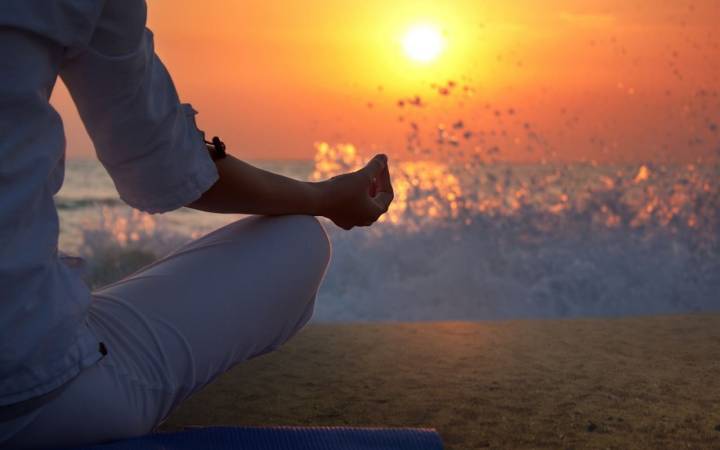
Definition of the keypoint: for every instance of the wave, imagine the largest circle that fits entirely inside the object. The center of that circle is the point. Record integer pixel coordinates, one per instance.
(508, 269)
(497, 241)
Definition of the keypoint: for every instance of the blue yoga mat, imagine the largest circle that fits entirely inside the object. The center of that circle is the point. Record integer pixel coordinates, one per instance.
(283, 438)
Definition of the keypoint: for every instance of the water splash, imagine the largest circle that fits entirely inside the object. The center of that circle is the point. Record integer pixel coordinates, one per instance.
(122, 241)
(489, 241)
(682, 200)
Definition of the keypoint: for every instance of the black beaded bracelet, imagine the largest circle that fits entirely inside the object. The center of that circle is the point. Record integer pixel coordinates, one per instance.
(216, 147)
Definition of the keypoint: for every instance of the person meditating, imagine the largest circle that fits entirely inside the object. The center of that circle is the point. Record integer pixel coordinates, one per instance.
(79, 368)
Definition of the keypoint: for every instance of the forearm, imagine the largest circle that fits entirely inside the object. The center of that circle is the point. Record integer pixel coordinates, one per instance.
(245, 189)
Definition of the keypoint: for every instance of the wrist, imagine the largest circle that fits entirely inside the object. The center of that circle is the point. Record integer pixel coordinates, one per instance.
(318, 196)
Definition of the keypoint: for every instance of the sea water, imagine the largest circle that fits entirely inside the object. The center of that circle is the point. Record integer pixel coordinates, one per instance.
(466, 238)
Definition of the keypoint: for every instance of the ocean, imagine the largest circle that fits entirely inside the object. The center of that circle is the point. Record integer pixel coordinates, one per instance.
(465, 239)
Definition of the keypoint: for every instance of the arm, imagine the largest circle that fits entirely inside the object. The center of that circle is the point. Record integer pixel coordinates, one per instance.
(354, 199)
(245, 189)
(150, 145)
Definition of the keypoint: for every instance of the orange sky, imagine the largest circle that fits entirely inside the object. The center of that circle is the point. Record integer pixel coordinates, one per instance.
(593, 79)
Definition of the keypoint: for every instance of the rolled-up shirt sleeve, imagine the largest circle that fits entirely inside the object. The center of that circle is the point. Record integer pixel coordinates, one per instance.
(144, 136)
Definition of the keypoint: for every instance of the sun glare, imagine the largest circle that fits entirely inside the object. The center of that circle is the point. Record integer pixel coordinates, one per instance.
(423, 43)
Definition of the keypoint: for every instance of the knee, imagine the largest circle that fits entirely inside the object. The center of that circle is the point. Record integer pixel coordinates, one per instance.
(296, 237)
(312, 232)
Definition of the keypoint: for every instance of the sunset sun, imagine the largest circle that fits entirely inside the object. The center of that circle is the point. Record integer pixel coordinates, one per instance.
(423, 43)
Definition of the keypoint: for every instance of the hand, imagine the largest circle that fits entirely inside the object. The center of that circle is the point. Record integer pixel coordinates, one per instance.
(358, 198)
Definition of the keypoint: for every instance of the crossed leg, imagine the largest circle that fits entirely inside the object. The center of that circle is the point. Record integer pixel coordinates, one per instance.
(174, 326)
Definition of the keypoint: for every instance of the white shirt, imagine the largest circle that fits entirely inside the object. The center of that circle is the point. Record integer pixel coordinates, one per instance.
(146, 139)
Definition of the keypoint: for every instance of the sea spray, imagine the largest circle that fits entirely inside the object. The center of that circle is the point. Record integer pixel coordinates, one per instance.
(490, 241)
(518, 241)
(121, 242)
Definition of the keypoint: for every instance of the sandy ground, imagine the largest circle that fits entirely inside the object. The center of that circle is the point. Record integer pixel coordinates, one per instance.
(623, 383)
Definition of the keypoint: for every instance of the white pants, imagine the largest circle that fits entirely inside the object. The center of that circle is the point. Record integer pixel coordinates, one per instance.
(173, 327)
